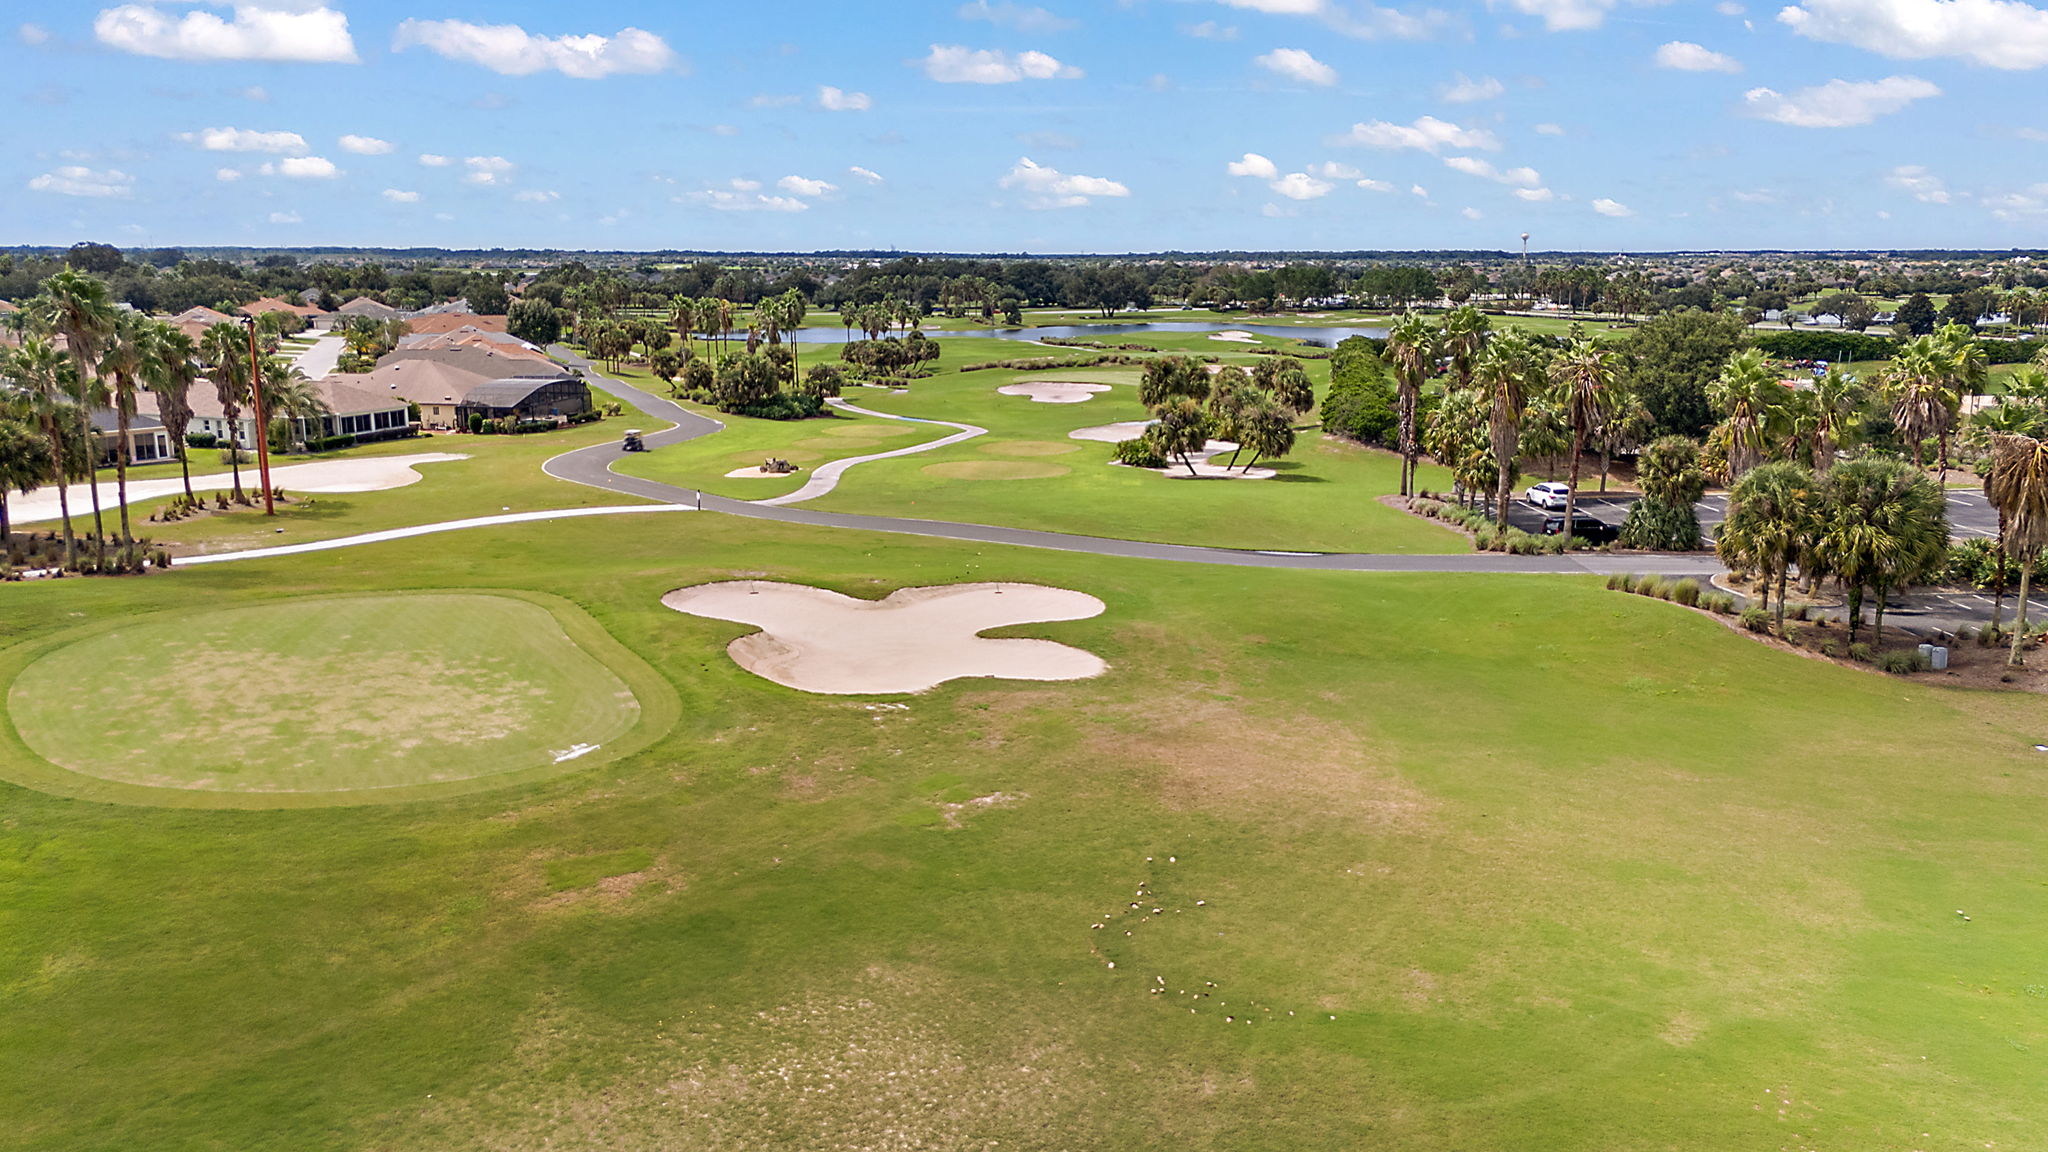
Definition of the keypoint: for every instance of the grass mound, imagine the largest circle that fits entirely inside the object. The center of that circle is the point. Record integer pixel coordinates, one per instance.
(330, 699)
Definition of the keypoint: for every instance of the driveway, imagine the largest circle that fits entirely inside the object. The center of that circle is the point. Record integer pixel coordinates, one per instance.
(320, 359)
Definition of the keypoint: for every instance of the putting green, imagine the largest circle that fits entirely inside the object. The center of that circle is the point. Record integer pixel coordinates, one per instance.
(349, 699)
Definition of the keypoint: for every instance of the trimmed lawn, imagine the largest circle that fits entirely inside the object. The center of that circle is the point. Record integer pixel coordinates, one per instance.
(1439, 862)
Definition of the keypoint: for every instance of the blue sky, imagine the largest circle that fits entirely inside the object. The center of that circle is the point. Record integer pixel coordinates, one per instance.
(1001, 125)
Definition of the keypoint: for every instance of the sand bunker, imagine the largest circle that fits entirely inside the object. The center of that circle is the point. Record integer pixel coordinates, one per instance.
(995, 470)
(757, 472)
(369, 474)
(1113, 433)
(1204, 469)
(815, 640)
(1053, 391)
(1235, 336)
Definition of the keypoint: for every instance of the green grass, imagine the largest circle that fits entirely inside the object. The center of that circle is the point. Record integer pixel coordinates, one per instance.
(1494, 862)
(339, 700)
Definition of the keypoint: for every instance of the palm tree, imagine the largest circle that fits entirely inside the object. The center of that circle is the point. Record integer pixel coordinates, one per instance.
(78, 308)
(1583, 375)
(24, 461)
(790, 314)
(1412, 347)
(1502, 376)
(123, 364)
(1885, 525)
(1773, 514)
(171, 370)
(289, 396)
(1266, 428)
(2018, 487)
(1965, 370)
(227, 357)
(1918, 381)
(1465, 333)
(1830, 410)
(1749, 392)
(44, 378)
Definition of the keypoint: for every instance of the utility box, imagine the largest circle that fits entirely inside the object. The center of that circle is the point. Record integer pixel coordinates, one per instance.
(1938, 659)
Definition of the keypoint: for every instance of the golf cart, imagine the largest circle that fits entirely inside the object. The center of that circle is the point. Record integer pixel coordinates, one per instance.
(633, 442)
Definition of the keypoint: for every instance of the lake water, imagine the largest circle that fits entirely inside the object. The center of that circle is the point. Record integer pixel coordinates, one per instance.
(1113, 333)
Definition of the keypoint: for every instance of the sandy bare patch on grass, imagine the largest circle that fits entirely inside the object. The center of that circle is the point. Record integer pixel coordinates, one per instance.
(1054, 391)
(995, 470)
(1029, 448)
(1235, 336)
(815, 640)
(370, 474)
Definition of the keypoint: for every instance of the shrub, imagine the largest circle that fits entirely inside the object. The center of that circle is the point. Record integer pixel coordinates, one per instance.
(1139, 453)
(231, 456)
(1756, 619)
(1650, 586)
(1615, 581)
(1429, 508)
(1989, 636)
(1860, 651)
(201, 440)
(1798, 610)
(1686, 592)
(1628, 583)
(1904, 662)
(1486, 537)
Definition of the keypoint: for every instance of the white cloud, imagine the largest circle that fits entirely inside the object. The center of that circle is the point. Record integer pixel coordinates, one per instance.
(1565, 15)
(1419, 191)
(227, 175)
(1331, 170)
(1465, 90)
(954, 64)
(1428, 134)
(804, 186)
(1472, 214)
(32, 34)
(1550, 129)
(2019, 205)
(1918, 182)
(286, 218)
(1360, 19)
(1474, 166)
(1023, 18)
(1685, 56)
(1298, 65)
(866, 174)
(1730, 8)
(246, 140)
(73, 180)
(746, 196)
(1253, 164)
(397, 197)
(1536, 195)
(1838, 103)
(537, 196)
(487, 170)
(285, 30)
(1211, 30)
(1045, 187)
(833, 100)
(429, 160)
(366, 146)
(1995, 33)
(255, 93)
(1614, 208)
(1371, 185)
(513, 51)
(1301, 186)
(302, 168)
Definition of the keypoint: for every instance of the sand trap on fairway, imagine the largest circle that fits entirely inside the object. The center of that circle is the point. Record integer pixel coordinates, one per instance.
(373, 474)
(1029, 448)
(756, 472)
(995, 470)
(1235, 336)
(1112, 433)
(815, 640)
(1053, 391)
(1204, 470)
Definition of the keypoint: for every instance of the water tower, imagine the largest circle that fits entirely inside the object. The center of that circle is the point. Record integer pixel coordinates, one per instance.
(1525, 249)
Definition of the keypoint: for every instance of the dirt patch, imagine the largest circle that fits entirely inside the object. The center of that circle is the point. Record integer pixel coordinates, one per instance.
(954, 815)
(815, 640)
(1029, 448)
(995, 470)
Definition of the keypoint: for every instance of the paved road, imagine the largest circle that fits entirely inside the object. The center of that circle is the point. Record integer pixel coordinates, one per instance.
(593, 466)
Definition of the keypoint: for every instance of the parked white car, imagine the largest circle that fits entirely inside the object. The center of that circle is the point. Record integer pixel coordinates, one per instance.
(1548, 495)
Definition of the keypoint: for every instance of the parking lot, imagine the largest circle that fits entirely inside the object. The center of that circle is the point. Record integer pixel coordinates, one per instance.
(1970, 515)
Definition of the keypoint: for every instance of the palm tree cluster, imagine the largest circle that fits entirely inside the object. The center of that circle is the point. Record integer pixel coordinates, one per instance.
(1871, 524)
(1191, 406)
(1505, 399)
(81, 358)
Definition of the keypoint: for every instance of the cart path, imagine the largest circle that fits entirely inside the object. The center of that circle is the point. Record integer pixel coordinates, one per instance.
(826, 477)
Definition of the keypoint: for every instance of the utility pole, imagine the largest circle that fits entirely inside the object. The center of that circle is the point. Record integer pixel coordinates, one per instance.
(262, 422)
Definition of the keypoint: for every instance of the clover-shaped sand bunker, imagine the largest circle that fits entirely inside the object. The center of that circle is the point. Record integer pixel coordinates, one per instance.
(1053, 391)
(816, 640)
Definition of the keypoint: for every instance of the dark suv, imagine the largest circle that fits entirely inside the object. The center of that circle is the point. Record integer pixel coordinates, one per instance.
(1591, 529)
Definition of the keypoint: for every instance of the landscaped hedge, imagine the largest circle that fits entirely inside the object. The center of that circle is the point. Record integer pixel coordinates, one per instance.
(1842, 346)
